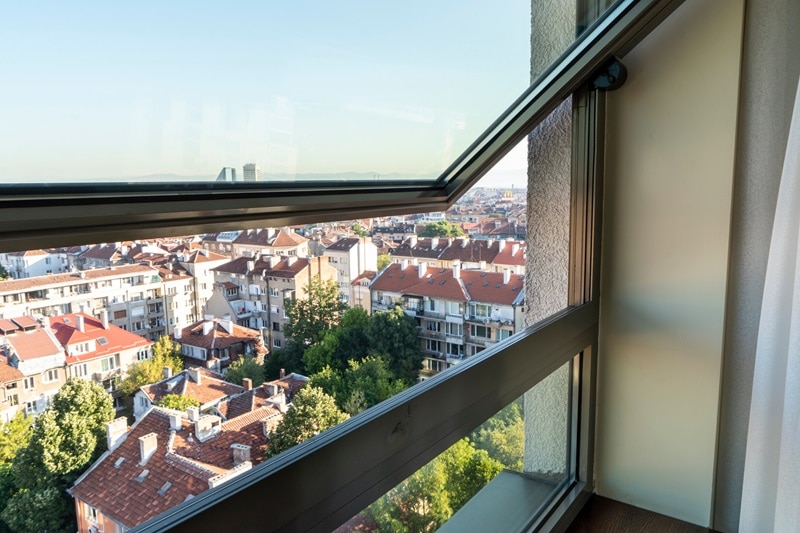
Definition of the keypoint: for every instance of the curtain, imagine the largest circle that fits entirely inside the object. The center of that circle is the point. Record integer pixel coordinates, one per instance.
(771, 489)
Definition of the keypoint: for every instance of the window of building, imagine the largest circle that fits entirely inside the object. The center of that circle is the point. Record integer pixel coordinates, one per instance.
(276, 343)
(432, 345)
(483, 332)
(108, 363)
(274, 292)
(431, 325)
(31, 407)
(28, 383)
(50, 375)
(481, 310)
(455, 308)
(455, 350)
(455, 329)
(13, 399)
(143, 355)
(80, 370)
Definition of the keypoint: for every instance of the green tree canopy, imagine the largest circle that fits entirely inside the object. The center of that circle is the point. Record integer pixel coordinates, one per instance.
(4, 273)
(430, 496)
(313, 315)
(346, 342)
(359, 230)
(442, 228)
(312, 412)
(66, 438)
(383, 261)
(165, 352)
(14, 434)
(503, 436)
(246, 367)
(179, 402)
(393, 335)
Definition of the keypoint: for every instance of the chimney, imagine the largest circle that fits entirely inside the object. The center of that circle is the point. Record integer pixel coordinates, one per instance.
(79, 321)
(434, 242)
(175, 421)
(193, 413)
(283, 373)
(104, 318)
(489, 243)
(196, 376)
(241, 453)
(115, 432)
(482, 265)
(501, 245)
(506, 276)
(227, 324)
(251, 265)
(412, 241)
(273, 261)
(421, 269)
(456, 269)
(208, 325)
(177, 332)
(147, 447)
(403, 264)
(290, 260)
(514, 248)
(167, 371)
(247, 383)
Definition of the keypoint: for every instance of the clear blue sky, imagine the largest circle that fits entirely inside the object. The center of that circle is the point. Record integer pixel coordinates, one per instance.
(110, 90)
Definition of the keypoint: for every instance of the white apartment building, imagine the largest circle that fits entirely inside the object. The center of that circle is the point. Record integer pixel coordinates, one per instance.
(351, 257)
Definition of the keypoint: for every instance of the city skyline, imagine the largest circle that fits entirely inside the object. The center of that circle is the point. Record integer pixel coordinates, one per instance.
(124, 92)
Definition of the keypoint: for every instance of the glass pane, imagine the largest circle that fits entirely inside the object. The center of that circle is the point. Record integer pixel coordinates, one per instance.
(260, 91)
(496, 479)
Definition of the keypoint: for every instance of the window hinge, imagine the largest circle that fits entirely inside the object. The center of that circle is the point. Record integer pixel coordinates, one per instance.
(611, 76)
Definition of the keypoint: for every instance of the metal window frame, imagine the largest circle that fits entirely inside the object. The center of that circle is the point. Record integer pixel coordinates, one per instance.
(48, 215)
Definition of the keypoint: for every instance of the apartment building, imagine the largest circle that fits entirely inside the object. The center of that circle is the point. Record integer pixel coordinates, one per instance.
(200, 264)
(351, 257)
(255, 242)
(489, 255)
(255, 290)
(32, 263)
(459, 312)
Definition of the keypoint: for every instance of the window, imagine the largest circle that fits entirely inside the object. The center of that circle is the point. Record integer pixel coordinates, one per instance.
(274, 292)
(432, 345)
(276, 343)
(503, 334)
(455, 308)
(28, 383)
(143, 355)
(91, 514)
(452, 183)
(480, 331)
(431, 325)
(481, 310)
(276, 326)
(80, 370)
(455, 329)
(30, 407)
(432, 305)
(13, 399)
(108, 363)
(50, 375)
(455, 350)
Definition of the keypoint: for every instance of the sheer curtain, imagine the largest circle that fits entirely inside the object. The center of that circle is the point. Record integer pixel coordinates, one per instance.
(771, 490)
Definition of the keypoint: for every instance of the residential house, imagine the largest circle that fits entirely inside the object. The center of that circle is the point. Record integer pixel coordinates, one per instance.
(269, 241)
(207, 387)
(32, 263)
(214, 342)
(35, 353)
(200, 264)
(98, 350)
(488, 255)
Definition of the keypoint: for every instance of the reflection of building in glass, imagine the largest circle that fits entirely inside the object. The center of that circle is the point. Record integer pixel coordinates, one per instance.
(227, 174)
(252, 172)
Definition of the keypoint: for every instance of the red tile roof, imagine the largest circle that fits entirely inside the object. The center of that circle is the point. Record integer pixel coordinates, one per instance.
(218, 337)
(65, 329)
(488, 287)
(52, 280)
(287, 238)
(343, 245)
(31, 343)
(212, 387)
(8, 373)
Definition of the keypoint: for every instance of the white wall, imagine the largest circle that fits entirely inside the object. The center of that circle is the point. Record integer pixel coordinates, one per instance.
(670, 155)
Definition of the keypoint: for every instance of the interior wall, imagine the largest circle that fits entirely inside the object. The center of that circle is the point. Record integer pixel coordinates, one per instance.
(670, 156)
(771, 66)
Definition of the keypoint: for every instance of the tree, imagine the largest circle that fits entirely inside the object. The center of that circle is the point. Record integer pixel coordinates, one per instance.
(246, 367)
(393, 335)
(359, 230)
(178, 402)
(372, 381)
(503, 436)
(289, 359)
(14, 434)
(318, 312)
(442, 228)
(384, 260)
(66, 438)
(312, 412)
(4, 273)
(165, 353)
(426, 499)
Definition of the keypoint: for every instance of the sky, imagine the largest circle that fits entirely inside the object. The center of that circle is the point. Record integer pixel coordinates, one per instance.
(105, 90)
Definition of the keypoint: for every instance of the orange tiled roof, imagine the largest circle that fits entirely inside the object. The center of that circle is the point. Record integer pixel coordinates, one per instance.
(52, 280)
(65, 329)
(212, 387)
(31, 342)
